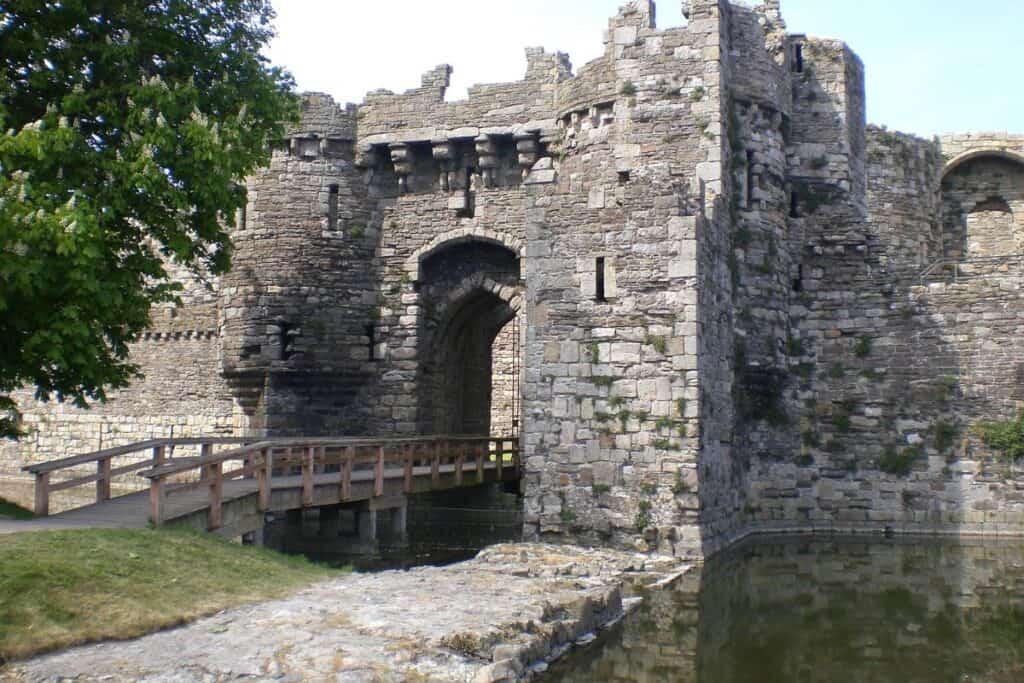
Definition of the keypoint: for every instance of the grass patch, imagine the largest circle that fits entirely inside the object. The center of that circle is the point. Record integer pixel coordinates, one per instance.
(65, 588)
(13, 510)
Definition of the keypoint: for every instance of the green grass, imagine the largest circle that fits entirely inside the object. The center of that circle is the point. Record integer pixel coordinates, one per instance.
(65, 588)
(13, 511)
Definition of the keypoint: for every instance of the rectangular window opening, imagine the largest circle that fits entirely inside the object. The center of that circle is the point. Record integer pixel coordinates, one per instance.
(623, 177)
(750, 179)
(798, 58)
(599, 293)
(798, 281)
(286, 339)
(332, 209)
(371, 335)
(242, 217)
(794, 205)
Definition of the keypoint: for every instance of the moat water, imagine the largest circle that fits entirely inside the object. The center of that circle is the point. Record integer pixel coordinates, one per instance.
(768, 611)
(828, 611)
(442, 528)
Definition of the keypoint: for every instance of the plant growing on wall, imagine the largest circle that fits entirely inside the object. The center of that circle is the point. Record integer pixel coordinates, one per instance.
(1006, 437)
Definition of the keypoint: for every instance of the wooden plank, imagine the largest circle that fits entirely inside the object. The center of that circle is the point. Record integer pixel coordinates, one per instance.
(435, 466)
(103, 480)
(42, 502)
(460, 459)
(378, 473)
(410, 455)
(157, 500)
(309, 456)
(127, 469)
(215, 516)
(263, 476)
(346, 473)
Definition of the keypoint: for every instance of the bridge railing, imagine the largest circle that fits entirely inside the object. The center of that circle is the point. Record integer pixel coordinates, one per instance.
(144, 455)
(341, 457)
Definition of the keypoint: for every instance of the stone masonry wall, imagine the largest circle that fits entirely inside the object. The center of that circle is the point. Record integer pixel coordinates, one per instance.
(737, 307)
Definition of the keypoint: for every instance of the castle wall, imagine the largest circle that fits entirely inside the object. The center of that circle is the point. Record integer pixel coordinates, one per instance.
(737, 308)
(182, 394)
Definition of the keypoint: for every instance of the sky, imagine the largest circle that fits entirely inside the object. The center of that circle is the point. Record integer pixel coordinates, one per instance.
(933, 66)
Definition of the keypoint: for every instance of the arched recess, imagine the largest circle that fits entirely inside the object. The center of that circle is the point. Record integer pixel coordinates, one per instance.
(469, 292)
(456, 237)
(983, 205)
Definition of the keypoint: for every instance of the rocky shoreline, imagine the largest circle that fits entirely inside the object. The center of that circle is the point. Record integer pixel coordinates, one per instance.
(499, 617)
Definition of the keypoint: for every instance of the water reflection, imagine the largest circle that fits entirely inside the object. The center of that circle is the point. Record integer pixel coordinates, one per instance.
(827, 611)
(441, 528)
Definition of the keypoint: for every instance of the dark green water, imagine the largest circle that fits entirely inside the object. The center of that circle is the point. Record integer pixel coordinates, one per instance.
(836, 612)
(442, 528)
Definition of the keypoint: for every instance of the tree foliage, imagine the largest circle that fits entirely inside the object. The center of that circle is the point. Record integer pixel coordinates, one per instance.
(127, 128)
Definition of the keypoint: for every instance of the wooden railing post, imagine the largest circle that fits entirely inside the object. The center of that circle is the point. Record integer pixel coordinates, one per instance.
(378, 473)
(500, 452)
(103, 479)
(214, 474)
(410, 456)
(308, 459)
(459, 460)
(42, 503)
(435, 466)
(346, 472)
(157, 498)
(158, 455)
(263, 475)
(480, 448)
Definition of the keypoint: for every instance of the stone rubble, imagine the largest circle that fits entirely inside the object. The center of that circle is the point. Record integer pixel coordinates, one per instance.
(499, 617)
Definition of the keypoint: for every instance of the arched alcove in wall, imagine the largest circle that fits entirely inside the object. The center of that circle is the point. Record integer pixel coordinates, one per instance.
(983, 206)
(469, 306)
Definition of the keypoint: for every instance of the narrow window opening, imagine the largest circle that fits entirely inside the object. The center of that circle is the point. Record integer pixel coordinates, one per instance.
(798, 281)
(750, 179)
(599, 293)
(242, 217)
(286, 334)
(332, 209)
(371, 336)
(623, 177)
(798, 58)
(794, 205)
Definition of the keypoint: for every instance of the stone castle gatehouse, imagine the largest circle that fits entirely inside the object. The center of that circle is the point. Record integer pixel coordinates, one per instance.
(708, 298)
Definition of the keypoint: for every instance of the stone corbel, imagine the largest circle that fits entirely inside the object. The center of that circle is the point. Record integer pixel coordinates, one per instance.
(444, 155)
(528, 149)
(487, 153)
(401, 157)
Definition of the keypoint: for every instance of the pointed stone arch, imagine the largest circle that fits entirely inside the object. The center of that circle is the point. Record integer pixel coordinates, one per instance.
(455, 237)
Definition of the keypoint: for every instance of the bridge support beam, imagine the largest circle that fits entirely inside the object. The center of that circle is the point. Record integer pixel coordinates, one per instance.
(366, 523)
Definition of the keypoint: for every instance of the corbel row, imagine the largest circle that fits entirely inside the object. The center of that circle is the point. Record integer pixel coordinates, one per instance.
(528, 145)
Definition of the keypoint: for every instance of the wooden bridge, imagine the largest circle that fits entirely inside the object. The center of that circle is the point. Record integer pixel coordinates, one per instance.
(227, 485)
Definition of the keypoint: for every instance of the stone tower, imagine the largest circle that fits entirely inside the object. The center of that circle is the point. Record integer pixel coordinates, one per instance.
(706, 295)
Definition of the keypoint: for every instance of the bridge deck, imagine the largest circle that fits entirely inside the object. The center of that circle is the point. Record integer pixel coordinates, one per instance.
(131, 511)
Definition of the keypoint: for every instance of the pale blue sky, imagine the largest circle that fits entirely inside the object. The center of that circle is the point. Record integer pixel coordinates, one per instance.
(932, 66)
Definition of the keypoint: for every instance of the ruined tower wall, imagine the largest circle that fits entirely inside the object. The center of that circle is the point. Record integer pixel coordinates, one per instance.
(302, 288)
(897, 361)
(612, 392)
